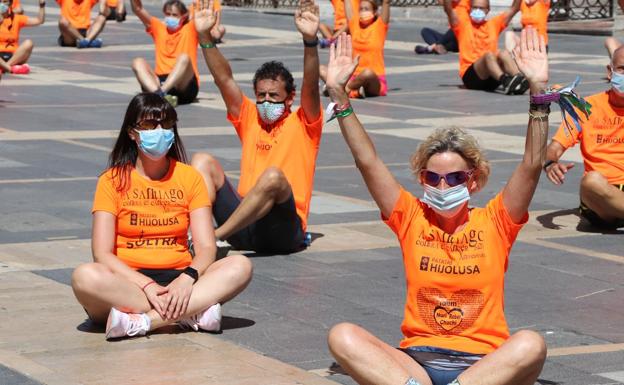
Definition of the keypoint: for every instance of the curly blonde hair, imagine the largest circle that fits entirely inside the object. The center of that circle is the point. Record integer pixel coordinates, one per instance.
(453, 139)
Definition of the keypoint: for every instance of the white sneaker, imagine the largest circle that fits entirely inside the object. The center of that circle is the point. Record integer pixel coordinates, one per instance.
(120, 324)
(208, 320)
(223, 248)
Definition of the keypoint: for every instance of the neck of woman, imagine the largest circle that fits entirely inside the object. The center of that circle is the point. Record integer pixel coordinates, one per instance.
(152, 169)
(451, 225)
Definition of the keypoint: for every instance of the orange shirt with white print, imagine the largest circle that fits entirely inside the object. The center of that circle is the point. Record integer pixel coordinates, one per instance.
(601, 138)
(9, 32)
(291, 145)
(454, 281)
(77, 13)
(153, 216)
(369, 44)
(169, 46)
(536, 15)
(475, 40)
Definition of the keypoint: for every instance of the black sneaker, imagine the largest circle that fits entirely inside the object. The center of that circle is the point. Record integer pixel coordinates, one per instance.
(421, 49)
(511, 83)
(522, 87)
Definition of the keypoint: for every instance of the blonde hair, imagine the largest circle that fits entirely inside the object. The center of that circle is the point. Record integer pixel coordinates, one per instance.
(453, 139)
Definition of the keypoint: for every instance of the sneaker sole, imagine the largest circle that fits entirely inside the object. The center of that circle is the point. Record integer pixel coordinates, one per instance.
(112, 319)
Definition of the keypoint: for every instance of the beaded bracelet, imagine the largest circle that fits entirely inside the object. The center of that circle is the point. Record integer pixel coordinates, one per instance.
(207, 45)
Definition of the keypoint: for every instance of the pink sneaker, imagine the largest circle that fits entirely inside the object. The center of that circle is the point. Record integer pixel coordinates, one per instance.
(20, 69)
(208, 320)
(122, 324)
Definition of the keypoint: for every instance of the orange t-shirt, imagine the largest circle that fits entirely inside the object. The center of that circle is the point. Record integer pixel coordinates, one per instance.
(369, 44)
(455, 281)
(9, 32)
(292, 146)
(112, 3)
(536, 15)
(78, 13)
(340, 17)
(153, 216)
(169, 45)
(601, 138)
(191, 8)
(475, 40)
(15, 4)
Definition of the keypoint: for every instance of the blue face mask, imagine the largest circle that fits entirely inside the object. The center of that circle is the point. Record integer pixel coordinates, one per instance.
(617, 81)
(172, 23)
(446, 202)
(270, 112)
(155, 143)
(477, 15)
(4, 8)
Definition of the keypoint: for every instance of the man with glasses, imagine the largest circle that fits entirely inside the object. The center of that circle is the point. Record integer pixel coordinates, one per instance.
(279, 146)
(602, 145)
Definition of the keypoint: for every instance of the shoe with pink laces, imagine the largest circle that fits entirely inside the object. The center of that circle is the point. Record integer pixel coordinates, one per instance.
(208, 320)
(20, 69)
(122, 324)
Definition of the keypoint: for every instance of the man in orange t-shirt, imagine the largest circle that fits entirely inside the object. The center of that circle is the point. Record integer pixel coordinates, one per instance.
(437, 42)
(75, 23)
(13, 55)
(481, 65)
(175, 76)
(269, 211)
(117, 10)
(602, 145)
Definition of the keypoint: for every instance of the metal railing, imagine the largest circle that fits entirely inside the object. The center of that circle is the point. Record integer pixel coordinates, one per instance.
(559, 9)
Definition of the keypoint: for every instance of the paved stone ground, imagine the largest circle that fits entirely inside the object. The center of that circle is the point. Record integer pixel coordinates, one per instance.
(56, 129)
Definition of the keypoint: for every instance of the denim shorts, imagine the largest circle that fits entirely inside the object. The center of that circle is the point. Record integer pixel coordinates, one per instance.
(442, 365)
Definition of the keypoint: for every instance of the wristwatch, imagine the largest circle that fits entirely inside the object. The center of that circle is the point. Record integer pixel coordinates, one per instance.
(191, 273)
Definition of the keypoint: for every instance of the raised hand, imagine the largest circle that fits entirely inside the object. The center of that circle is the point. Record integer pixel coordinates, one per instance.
(307, 19)
(205, 17)
(341, 64)
(531, 58)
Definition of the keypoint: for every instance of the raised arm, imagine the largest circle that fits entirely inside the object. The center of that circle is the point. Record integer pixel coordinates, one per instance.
(205, 20)
(349, 11)
(142, 14)
(385, 11)
(511, 12)
(307, 22)
(532, 61)
(450, 13)
(380, 182)
(40, 19)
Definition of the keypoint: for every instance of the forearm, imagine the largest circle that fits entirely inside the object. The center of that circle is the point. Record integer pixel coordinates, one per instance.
(217, 64)
(310, 96)
(385, 11)
(537, 133)
(41, 15)
(204, 257)
(119, 267)
(450, 12)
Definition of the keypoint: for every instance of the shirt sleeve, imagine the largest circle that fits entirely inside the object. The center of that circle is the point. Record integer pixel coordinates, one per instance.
(507, 229)
(198, 193)
(22, 20)
(153, 27)
(313, 129)
(500, 21)
(247, 114)
(463, 20)
(106, 196)
(566, 137)
(405, 209)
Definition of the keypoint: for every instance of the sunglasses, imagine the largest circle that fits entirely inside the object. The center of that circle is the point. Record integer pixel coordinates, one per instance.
(452, 179)
(150, 124)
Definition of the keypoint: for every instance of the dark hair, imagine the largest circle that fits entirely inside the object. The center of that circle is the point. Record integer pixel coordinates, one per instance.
(275, 70)
(374, 4)
(178, 3)
(146, 105)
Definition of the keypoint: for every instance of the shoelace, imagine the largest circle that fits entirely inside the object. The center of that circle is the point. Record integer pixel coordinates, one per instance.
(136, 325)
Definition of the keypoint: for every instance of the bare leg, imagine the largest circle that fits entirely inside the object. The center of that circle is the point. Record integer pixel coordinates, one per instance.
(181, 74)
(96, 27)
(518, 361)
(212, 172)
(507, 62)
(326, 31)
(367, 79)
(145, 75)
(69, 32)
(611, 44)
(98, 289)
(487, 66)
(22, 53)
(369, 360)
(604, 199)
(272, 188)
(4, 66)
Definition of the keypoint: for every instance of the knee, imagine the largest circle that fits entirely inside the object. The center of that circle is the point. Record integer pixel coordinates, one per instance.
(489, 56)
(138, 63)
(63, 23)
(272, 180)
(89, 277)
(368, 73)
(27, 44)
(206, 164)
(184, 59)
(240, 269)
(594, 181)
(530, 348)
(342, 339)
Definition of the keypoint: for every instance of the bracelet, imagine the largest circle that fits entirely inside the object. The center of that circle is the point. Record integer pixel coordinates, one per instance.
(41, 5)
(344, 107)
(545, 98)
(345, 113)
(207, 45)
(147, 284)
(311, 44)
(541, 115)
(547, 163)
(540, 107)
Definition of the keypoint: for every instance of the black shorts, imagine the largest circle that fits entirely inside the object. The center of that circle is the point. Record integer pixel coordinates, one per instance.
(280, 231)
(114, 16)
(472, 81)
(163, 277)
(596, 220)
(61, 42)
(442, 365)
(6, 56)
(185, 96)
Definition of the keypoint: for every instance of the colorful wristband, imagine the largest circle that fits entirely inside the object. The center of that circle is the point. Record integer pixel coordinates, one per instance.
(545, 98)
(207, 45)
(147, 284)
(345, 113)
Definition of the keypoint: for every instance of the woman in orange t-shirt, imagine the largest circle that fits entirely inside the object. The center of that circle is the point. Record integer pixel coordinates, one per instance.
(13, 56)
(144, 276)
(455, 257)
(535, 14)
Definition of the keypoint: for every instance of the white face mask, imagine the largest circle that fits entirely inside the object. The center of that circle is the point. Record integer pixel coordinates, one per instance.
(446, 202)
(270, 112)
(4, 8)
(617, 82)
(477, 15)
